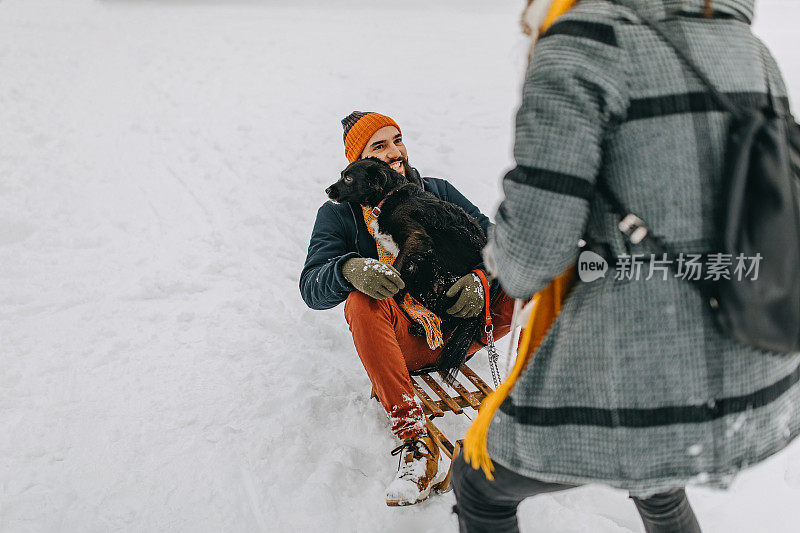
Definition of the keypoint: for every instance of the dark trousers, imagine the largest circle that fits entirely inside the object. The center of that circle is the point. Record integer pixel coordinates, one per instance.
(491, 506)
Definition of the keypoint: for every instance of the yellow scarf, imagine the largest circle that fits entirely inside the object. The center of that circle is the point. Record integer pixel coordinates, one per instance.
(558, 8)
(547, 304)
(418, 312)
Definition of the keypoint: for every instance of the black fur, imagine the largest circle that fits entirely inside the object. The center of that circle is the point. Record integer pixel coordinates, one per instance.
(438, 243)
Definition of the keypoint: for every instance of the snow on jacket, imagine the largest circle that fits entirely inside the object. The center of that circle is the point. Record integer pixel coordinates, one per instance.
(340, 233)
(634, 386)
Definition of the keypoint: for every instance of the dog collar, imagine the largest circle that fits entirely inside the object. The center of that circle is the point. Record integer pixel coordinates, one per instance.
(377, 209)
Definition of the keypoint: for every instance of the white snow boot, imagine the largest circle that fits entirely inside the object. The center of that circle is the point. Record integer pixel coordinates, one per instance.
(416, 473)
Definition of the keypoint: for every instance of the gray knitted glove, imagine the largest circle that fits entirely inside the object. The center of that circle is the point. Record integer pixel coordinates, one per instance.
(373, 278)
(471, 301)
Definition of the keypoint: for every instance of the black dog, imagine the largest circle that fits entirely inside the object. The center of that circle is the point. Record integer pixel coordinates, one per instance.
(435, 243)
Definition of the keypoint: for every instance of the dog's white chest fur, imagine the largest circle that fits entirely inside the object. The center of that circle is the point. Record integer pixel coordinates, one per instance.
(384, 240)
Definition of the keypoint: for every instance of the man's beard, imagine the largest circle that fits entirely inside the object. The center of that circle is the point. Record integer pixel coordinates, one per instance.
(407, 172)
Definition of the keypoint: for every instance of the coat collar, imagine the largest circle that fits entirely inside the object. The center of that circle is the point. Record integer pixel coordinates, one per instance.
(415, 178)
(661, 9)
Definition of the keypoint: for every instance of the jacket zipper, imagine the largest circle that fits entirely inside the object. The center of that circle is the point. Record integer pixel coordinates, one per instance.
(355, 221)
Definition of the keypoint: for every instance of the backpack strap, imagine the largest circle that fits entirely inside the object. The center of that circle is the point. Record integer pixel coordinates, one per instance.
(636, 232)
(631, 225)
(720, 97)
(777, 109)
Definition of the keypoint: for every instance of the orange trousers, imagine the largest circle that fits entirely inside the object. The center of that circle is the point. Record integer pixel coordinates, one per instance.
(389, 352)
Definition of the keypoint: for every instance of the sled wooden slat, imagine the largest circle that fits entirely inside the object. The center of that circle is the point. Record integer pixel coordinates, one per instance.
(459, 400)
(434, 409)
(476, 380)
(464, 393)
(438, 437)
(445, 485)
(435, 387)
(478, 395)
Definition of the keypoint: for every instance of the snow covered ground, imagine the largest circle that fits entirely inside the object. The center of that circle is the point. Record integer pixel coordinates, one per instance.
(161, 164)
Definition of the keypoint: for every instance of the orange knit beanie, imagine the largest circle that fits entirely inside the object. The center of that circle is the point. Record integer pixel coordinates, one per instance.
(359, 126)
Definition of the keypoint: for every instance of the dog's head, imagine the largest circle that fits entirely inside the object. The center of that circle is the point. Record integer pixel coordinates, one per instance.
(366, 182)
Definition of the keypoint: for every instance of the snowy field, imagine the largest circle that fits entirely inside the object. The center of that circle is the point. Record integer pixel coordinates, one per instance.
(161, 164)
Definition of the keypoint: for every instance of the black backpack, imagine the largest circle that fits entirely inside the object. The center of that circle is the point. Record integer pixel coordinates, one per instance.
(759, 216)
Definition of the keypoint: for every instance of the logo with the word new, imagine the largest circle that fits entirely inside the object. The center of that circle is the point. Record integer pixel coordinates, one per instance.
(591, 266)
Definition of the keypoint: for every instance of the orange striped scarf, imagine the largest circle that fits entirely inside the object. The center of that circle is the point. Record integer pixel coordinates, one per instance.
(418, 312)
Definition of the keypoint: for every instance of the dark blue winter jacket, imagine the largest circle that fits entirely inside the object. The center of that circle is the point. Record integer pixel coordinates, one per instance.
(340, 233)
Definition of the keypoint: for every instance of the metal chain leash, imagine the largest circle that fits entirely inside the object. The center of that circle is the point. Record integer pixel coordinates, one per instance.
(493, 355)
(489, 329)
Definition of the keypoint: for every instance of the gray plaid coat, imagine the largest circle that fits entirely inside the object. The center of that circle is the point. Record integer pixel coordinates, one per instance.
(634, 386)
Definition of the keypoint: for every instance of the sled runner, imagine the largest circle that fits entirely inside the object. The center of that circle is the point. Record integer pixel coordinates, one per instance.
(434, 408)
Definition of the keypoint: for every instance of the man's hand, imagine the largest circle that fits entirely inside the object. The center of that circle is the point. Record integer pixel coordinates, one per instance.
(471, 301)
(372, 277)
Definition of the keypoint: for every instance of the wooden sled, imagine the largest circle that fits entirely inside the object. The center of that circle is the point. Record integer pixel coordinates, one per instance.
(433, 409)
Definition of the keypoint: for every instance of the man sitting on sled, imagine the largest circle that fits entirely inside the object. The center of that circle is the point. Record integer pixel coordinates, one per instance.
(344, 264)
